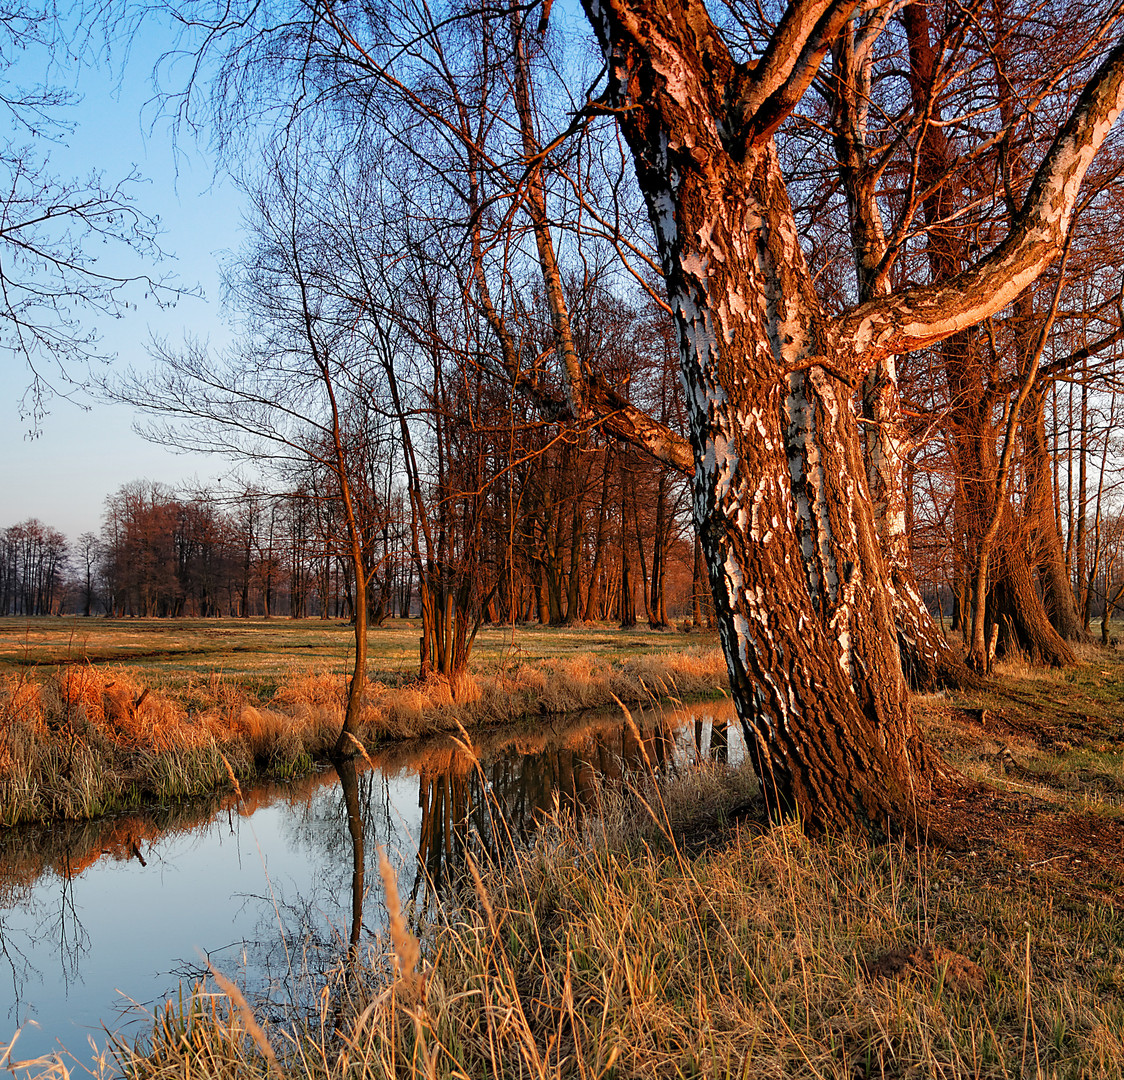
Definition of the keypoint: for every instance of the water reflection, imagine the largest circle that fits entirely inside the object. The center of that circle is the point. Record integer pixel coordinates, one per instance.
(487, 809)
(276, 887)
(349, 787)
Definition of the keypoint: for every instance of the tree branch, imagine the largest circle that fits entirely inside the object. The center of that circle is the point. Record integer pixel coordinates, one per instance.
(927, 314)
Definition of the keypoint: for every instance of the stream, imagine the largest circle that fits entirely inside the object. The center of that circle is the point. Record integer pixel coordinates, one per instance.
(101, 922)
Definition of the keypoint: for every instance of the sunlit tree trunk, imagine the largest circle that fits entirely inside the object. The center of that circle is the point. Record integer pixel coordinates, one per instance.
(781, 501)
(999, 593)
(927, 659)
(593, 596)
(1043, 520)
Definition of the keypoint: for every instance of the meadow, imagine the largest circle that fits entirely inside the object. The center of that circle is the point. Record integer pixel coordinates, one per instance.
(674, 933)
(260, 654)
(105, 715)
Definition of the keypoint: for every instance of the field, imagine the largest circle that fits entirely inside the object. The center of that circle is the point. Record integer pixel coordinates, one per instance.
(259, 654)
(676, 934)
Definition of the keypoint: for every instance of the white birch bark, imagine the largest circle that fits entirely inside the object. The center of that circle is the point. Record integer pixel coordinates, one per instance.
(781, 500)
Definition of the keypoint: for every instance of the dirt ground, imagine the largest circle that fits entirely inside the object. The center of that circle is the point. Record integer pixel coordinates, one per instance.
(1041, 807)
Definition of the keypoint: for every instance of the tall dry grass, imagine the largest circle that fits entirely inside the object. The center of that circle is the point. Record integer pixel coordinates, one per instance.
(547, 686)
(87, 740)
(614, 949)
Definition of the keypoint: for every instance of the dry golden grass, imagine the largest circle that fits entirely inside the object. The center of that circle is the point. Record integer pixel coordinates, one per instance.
(87, 739)
(260, 654)
(618, 949)
(657, 939)
(80, 734)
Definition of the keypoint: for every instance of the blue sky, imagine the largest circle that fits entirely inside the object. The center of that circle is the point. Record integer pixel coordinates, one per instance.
(87, 449)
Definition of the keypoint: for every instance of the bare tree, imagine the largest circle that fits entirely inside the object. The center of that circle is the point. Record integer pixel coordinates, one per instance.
(277, 400)
(66, 244)
(781, 499)
(802, 591)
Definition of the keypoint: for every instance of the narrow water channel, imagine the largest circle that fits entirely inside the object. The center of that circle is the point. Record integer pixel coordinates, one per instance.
(101, 922)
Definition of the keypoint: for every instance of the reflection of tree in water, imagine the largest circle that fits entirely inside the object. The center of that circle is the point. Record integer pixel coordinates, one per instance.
(486, 810)
(290, 938)
(47, 923)
(717, 747)
(40, 920)
(39, 868)
(349, 788)
(489, 809)
(300, 935)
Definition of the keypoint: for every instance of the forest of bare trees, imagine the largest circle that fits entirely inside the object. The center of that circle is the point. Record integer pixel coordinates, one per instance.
(284, 553)
(812, 310)
(870, 237)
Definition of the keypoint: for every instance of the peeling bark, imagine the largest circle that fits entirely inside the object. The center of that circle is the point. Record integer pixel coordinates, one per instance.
(927, 659)
(780, 499)
(780, 492)
(927, 314)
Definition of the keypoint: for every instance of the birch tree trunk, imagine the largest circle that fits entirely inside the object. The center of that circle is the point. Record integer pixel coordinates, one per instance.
(781, 501)
(927, 659)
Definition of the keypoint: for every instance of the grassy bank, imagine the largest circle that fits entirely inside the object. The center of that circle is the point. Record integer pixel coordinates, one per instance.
(81, 739)
(68, 848)
(672, 936)
(664, 939)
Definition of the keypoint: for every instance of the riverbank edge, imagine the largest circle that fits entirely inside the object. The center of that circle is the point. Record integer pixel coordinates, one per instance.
(664, 937)
(88, 742)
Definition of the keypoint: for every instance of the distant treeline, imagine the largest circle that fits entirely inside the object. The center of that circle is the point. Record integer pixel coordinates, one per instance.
(608, 540)
(33, 560)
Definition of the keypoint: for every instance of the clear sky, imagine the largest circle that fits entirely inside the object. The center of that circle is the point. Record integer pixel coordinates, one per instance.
(87, 449)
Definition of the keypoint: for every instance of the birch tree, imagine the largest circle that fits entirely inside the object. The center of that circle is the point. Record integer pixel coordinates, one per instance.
(781, 495)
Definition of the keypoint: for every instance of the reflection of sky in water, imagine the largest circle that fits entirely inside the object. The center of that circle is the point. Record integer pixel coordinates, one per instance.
(263, 896)
(221, 890)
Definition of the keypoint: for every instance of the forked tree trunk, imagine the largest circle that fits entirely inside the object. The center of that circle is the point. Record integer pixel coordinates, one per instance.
(970, 420)
(781, 499)
(1024, 629)
(781, 502)
(927, 659)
